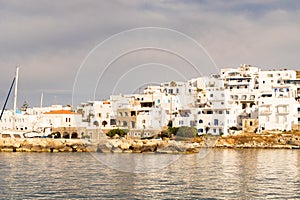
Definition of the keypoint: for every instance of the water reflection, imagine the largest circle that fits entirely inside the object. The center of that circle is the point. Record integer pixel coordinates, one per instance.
(221, 174)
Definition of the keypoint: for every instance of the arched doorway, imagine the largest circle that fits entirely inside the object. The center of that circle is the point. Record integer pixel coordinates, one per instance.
(66, 135)
(74, 135)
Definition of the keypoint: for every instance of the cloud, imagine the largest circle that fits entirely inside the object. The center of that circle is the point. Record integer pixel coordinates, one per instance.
(50, 39)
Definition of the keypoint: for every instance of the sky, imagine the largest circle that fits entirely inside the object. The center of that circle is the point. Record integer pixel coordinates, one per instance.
(73, 51)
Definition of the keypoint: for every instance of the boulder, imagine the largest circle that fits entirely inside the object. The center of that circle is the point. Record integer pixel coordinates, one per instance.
(137, 146)
(36, 149)
(104, 147)
(116, 150)
(149, 146)
(125, 145)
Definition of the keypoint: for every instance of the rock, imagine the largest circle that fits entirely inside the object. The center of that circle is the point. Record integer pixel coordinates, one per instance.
(7, 149)
(115, 143)
(36, 149)
(149, 146)
(104, 147)
(171, 147)
(8, 142)
(117, 150)
(125, 146)
(65, 149)
(90, 148)
(137, 146)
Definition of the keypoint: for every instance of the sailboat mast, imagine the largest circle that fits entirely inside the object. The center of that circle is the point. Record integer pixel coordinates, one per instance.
(42, 97)
(16, 90)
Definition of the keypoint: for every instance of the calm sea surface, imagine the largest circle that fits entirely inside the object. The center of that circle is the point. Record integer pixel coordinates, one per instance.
(215, 174)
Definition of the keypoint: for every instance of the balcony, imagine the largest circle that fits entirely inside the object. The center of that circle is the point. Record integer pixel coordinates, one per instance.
(265, 112)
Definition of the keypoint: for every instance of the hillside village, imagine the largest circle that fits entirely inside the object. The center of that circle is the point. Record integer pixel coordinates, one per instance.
(243, 99)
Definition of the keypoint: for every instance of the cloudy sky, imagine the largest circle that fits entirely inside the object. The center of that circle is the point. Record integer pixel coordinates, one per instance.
(77, 50)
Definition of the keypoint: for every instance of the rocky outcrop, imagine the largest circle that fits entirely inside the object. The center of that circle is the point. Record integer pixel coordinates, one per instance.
(45, 145)
(276, 141)
(147, 146)
(282, 141)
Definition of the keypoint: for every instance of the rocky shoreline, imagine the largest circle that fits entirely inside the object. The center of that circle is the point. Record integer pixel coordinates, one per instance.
(267, 141)
(45, 145)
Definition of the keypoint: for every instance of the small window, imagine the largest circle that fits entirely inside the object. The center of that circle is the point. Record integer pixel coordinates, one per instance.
(251, 123)
(216, 122)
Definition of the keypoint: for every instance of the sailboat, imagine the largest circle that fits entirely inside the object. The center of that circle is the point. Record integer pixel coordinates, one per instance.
(12, 133)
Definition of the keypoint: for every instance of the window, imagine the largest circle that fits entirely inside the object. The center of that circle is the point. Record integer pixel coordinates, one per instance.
(126, 114)
(211, 95)
(120, 114)
(99, 114)
(215, 130)
(227, 112)
(143, 121)
(199, 112)
(251, 123)
(200, 121)
(216, 122)
(298, 120)
(298, 110)
(158, 100)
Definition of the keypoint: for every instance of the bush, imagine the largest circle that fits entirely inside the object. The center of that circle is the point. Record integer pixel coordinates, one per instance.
(117, 131)
(186, 132)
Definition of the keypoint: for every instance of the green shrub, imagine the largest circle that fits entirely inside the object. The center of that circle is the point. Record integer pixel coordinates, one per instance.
(186, 132)
(117, 131)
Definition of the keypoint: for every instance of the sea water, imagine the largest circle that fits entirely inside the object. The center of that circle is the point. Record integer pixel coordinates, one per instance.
(211, 174)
